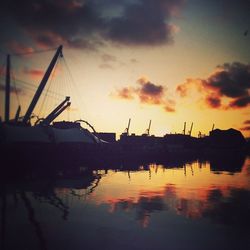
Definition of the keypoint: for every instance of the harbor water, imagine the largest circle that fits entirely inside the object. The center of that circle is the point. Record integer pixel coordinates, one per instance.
(171, 205)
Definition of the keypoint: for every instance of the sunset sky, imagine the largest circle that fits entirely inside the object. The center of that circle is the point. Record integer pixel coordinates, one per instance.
(171, 61)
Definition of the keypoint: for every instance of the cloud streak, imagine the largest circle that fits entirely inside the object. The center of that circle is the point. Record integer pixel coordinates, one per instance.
(246, 126)
(37, 73)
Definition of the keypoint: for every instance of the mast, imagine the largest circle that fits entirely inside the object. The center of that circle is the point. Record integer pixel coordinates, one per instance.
(42, 85)
(7, 90)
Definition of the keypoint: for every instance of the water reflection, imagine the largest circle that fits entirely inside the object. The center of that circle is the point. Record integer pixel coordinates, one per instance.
(92, 206)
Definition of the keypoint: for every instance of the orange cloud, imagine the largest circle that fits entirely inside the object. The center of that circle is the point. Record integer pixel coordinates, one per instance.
(36, 73)
(169, 108)
(213, 101)
(185, 88)
(19, 48)
(126, 93)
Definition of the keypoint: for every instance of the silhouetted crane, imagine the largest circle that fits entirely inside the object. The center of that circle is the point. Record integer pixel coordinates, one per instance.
(148, 129)
(212, 127)
(184, 129)
(127, 129)
(191, 128)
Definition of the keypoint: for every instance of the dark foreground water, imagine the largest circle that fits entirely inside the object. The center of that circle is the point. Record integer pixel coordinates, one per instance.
(131, 206)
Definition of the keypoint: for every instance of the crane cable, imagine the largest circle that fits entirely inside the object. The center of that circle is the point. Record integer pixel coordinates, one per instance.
(46, 93)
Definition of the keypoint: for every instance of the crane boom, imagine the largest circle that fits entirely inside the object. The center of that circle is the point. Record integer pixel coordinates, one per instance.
(17, 114)
(149, 126)
(127, 129)
(42, 85)
(55, 115)
(50, 117)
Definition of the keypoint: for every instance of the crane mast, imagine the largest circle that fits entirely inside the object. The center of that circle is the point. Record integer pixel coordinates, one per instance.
(38, 93)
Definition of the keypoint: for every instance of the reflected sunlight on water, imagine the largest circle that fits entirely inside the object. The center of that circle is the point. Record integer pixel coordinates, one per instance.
(151, 206)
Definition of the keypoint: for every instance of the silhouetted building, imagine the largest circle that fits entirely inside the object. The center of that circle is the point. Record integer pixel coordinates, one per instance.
(230, 138)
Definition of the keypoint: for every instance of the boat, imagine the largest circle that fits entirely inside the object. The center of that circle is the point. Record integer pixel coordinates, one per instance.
(46, 138)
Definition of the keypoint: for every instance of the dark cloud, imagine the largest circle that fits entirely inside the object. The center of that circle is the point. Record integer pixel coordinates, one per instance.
(237, 10)
(240, 102)
(229, 80)
(88, 23)
(213, 101)
(144, 22)
(147, 93)
(50, 22)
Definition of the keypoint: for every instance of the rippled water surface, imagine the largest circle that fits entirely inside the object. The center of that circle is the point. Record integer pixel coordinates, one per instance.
(131, 206)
